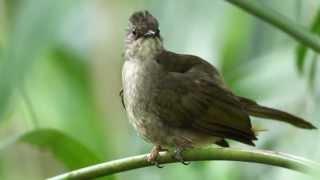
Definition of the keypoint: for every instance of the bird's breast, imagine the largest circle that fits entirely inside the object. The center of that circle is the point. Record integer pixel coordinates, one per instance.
(140, 81)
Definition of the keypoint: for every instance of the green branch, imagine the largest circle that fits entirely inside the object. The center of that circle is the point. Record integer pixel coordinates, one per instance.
(229, 154)
(301, 34)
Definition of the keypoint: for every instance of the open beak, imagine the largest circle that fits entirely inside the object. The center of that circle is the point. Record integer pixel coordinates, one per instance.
(150, 33)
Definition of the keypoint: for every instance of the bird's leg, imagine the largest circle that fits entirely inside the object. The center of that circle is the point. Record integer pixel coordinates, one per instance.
(178, 156)
(152, 158)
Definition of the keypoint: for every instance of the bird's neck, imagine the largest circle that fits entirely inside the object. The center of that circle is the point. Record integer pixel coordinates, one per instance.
(143, 49)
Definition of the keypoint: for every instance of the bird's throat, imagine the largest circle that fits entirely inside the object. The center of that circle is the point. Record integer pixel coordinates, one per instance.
(143, 49)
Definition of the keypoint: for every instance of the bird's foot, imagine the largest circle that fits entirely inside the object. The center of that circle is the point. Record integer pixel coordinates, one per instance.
(152, 158)
(178, 156)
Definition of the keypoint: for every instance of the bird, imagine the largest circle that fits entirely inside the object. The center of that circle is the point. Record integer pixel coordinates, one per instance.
(180, 101)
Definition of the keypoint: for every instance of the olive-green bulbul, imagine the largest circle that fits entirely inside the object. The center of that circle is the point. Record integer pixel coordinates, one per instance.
(180, 101)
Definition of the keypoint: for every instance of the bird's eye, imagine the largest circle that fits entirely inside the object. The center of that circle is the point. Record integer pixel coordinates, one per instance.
(158, 32)
(134, 31)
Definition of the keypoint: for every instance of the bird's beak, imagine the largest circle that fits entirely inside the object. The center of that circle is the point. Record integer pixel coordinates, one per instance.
(150, 33)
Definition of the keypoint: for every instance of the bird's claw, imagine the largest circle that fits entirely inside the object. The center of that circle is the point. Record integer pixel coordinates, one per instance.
(152, 158)
(156, 163)
(185, 163)
(177, 155)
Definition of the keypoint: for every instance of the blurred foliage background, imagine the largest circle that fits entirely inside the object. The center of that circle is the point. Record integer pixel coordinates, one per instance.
(60, 69)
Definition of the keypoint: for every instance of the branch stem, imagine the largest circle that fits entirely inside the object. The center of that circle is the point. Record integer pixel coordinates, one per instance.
(298, 32)
(228, 154)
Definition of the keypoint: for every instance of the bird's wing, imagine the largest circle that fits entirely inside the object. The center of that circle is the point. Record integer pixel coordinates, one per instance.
(194, 96)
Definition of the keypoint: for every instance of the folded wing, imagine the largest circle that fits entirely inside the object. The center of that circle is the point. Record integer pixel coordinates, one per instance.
(193, 96)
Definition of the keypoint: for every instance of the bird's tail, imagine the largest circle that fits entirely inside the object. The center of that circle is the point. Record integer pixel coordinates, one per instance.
(257, 110)
(258, 130)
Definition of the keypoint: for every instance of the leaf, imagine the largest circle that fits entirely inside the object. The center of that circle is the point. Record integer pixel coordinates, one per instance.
(234, 50)
(11, 9)
(313, 71)
(301, 51)
(67, 102)
(32, 29)
(66, 149)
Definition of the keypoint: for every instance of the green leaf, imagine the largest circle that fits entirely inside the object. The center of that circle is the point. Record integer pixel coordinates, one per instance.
(301, 51)
(32, 29)
(66, 149)
(67, 102)
(11, 9)
(313, 71)
(234, 49)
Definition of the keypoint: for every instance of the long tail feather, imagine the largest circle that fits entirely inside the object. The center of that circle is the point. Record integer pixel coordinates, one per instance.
(255, 109)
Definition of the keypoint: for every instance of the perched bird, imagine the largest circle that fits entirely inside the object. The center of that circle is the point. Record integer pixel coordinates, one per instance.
(180, 101)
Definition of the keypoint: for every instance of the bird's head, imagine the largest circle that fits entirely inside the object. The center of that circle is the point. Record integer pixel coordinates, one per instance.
(143, 25)
(143, 35)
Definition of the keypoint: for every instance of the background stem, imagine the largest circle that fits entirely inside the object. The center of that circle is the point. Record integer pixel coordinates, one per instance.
(298, 32)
